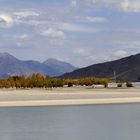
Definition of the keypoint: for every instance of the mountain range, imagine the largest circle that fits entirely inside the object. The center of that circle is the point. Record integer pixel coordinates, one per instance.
(10, 65)
(127, 68)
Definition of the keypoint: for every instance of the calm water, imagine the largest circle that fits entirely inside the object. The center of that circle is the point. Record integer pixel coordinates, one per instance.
(101, 122)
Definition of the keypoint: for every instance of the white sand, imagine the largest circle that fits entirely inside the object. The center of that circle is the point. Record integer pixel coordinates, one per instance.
(67, 96)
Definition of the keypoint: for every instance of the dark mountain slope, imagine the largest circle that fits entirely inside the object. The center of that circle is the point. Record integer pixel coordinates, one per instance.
(127, 68)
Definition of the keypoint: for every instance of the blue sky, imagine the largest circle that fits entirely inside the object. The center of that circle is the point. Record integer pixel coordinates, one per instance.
(81, 32)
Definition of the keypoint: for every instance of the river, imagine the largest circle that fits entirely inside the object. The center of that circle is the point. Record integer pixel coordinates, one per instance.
(95, 122)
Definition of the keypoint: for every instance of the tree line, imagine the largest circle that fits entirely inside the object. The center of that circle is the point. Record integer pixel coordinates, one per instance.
(40, 81)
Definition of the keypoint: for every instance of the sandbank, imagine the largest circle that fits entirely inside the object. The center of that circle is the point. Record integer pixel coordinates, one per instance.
(67, 96)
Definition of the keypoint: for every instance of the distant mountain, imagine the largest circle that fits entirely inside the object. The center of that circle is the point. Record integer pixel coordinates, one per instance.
(60, 66)
(127, 68)
(38, 67)
(10, 65)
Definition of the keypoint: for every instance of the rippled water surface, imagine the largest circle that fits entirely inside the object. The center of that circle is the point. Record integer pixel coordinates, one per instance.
(97, 122)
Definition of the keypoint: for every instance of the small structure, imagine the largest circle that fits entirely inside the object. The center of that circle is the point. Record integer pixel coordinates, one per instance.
(98, 86)
(112, 85)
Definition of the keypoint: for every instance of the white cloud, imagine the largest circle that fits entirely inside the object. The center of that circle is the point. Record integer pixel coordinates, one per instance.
(120, 53)
(81, 51)
(19, 44)
(130, 6)
(74, 3)
(60, 25)
(25, 14)
(6, 21)
(75, 27)
(102, 3)
(96, 19)
(63, 26)
(128, 44)
(53, 33)
(24, 37)
(124, 5)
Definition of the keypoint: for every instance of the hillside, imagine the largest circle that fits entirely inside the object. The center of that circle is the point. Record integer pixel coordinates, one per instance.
(127, 68)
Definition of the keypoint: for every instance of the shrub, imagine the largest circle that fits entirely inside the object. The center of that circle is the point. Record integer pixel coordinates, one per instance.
(129, 84)
(70, 84)
(105, 85)
(119, 85)
(39, 81)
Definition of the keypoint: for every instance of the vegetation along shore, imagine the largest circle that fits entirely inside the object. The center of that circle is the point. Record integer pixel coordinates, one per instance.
(40, 81)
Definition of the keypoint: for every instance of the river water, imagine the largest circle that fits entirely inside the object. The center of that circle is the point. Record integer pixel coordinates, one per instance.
(95, 122)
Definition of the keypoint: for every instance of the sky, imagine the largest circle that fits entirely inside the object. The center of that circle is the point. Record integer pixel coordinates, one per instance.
(82, 32)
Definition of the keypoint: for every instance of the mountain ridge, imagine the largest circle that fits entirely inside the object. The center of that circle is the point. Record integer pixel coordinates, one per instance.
(10, 65)
(58, 65)
(127, 68)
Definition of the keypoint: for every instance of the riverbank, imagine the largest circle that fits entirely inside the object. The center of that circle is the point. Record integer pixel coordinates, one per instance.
(67, 96)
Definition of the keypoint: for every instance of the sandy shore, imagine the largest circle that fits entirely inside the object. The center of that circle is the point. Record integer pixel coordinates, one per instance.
(67, 96)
